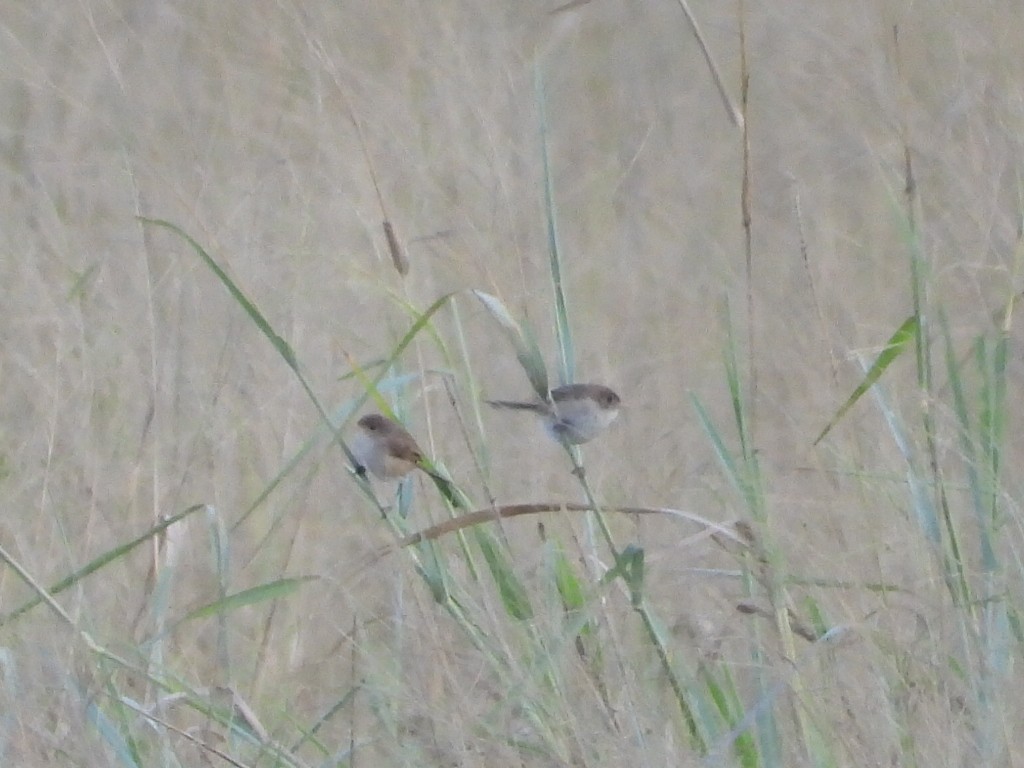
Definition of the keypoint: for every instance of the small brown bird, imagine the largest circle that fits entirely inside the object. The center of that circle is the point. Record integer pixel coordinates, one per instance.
(576, 413)
(385, 448)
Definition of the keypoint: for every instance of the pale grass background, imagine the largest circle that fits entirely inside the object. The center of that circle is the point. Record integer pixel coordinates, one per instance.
(147, 389)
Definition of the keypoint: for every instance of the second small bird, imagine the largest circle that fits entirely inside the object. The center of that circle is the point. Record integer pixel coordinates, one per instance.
(576, 414)
(385, 448)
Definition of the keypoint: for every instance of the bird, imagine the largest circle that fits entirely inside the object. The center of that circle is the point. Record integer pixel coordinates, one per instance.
(574, 413)
(385, 448)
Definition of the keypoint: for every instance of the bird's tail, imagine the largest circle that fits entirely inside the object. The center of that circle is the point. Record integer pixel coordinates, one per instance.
(514, 405)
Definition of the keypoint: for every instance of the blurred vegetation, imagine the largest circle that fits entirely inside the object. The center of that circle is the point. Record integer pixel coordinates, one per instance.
(789, 236)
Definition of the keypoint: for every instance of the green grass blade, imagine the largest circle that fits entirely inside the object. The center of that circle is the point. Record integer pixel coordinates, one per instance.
(977, 480)
(566, 350)
(725, 699)
(272, 590)
(570, 588)
(96, 563)
(629, 566)
(432, 571)
(896, 345)
(732, 378)
(335, 422)
(310, 735)
(924, 508)
(111, 734)
(963, 419)
(513, 594)
(724, 457)
(992, 424)
(573, 596)
(282, 346)
(81, 283)
(634, 573)
(524, 344)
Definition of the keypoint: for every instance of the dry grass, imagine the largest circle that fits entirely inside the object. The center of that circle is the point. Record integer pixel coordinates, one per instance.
(280, 136)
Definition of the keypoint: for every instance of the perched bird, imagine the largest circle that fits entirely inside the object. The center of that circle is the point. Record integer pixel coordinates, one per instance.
(385, 448)
(576, 413)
